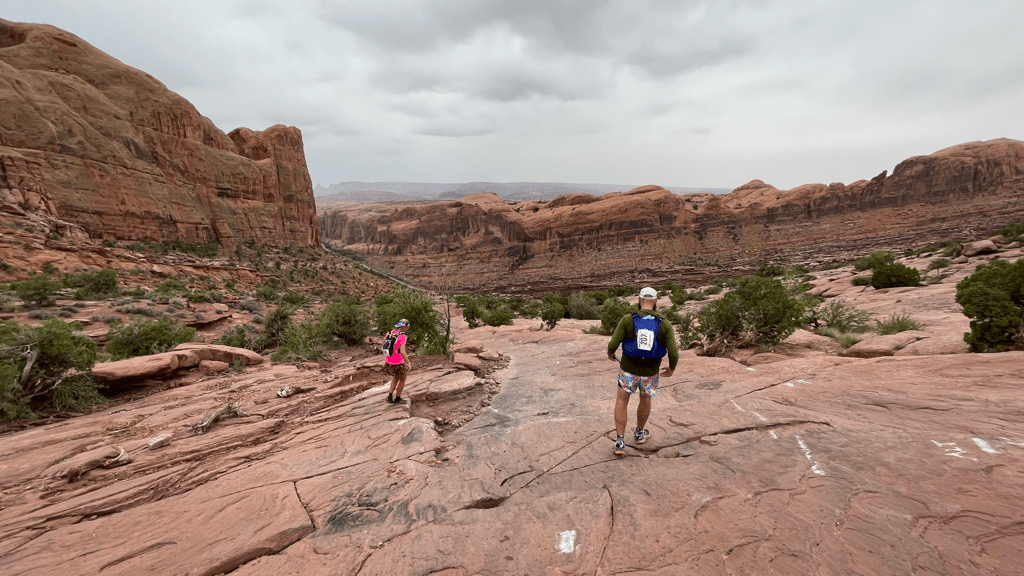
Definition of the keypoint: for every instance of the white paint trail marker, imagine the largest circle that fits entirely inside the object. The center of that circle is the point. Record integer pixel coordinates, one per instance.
(567, 541)
(985, 446)
(807, 453)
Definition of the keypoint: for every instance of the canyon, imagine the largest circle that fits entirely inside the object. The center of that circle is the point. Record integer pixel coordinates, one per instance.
(91, 147)
(649, 234)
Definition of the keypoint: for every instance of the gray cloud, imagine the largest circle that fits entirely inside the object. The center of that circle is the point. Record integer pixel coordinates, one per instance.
(676, 92)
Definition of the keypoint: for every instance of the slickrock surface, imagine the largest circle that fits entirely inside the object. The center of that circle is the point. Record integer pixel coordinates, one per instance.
(798, 462)
(94, 146)
(484, 243)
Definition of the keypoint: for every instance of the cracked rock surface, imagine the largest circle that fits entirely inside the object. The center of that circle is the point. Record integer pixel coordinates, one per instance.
(810, 463)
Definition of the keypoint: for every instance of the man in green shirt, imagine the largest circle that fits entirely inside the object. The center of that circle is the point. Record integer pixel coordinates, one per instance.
(646, 338)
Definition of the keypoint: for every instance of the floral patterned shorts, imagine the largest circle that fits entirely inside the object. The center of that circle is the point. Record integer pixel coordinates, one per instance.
(630, 382)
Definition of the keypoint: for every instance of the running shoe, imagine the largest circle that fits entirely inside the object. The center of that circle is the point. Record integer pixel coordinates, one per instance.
(641, 436)
(620, 447)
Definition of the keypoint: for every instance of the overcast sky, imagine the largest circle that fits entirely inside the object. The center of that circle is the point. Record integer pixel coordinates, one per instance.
(676, 93)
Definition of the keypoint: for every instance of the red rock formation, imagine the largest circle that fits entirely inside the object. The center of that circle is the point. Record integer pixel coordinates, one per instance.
(106, 147)
(583, 241)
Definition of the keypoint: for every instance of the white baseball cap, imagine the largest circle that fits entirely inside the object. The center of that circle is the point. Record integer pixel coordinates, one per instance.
(649, 293)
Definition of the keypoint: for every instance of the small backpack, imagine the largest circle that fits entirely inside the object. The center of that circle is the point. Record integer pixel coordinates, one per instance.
(388, 348)
(644, 343)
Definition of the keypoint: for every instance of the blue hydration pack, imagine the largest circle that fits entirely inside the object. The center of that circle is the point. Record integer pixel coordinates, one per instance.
(645, 338)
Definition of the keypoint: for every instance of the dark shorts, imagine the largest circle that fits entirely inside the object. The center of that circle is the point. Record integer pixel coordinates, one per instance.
(395, 369)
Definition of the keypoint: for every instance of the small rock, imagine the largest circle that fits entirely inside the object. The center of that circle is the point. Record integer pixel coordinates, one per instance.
(489, 355)
(961, 260)
(160, 441)
(466, 361)
(708, 441)
(979, 247)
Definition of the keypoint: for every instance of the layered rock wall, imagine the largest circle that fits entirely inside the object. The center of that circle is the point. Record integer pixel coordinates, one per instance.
(106, 147)
(650, 234)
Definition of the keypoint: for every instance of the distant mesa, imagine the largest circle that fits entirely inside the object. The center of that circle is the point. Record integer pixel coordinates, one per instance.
(107, 150)
(582, 240)
(514, 191)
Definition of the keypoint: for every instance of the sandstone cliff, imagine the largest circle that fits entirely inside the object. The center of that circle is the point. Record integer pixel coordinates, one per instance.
(649, 233)
(108, 148)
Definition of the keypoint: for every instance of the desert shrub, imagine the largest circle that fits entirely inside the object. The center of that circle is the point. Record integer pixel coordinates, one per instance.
(897, 323)
(895, 275)
(874, 260)
(1013, 232)
(552, 314)
(172, 286)
(769, 269)
(938, 263)
(713, 289)
(500, 316)
(141, 310)
(678, 296)
(293, 298)
(204, 296)
(37, 291)
(582, 307)
(299, 342)
(270, 290)
(348, 321)
(251, 306)
(95, 285)
(274, 326)
(845, 338)
(861, 281)
(238, 337)
(553, 298)
(427, 331)
(141, 338)
(612, 312)
(993, 298)
(759, 311)
(60, 373)
(837, 315)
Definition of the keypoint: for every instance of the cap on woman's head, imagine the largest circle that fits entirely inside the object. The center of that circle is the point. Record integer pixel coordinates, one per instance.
(401, 323)
(649, 293)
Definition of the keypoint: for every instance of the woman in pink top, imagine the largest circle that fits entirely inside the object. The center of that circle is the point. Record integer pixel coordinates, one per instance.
(397, 365)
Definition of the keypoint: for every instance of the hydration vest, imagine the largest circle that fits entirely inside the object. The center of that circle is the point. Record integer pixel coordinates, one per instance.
(389, 343)
(645, 338)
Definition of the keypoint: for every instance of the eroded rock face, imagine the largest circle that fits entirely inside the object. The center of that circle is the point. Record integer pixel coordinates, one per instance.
(109, 149)
(582, 241)
(809, 463)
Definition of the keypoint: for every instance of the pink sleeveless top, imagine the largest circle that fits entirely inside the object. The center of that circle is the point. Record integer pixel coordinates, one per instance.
(396, 358)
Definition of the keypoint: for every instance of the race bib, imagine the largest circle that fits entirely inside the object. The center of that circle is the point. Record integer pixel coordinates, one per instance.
(645, 339)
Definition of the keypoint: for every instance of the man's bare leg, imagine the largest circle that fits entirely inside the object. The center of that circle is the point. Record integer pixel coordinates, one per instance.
(643, 411)
(621, 404)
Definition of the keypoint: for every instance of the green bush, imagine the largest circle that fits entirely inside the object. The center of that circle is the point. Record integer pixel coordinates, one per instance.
(95, 285)
(938, 263)
(895, 275)
(845, 338)
(205, 296)
(582, 307)
(613, 311)
(1013, 232)
(270, 290)
(861, 281)
(770, 269)
(759, 311)
(713, 289)
(838, 316)
(552, 314)
(141, 338)
(874, 260)
(897, 323)
(428, 329)
(349, 321)
(60, 376)
(993, 298)
(500, 316)
(274, 326)
(37, 291)
(678, 296)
